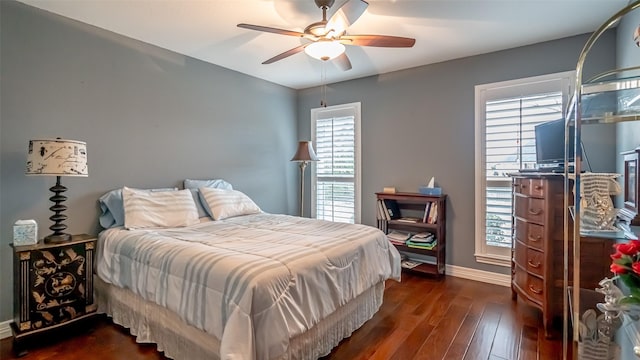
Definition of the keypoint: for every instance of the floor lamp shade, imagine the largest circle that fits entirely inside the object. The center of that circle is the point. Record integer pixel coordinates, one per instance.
(57, 157)
(304, 155)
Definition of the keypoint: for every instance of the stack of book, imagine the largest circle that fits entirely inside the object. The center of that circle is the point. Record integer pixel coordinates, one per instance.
(388, 209)
(430, 215)
(398, 237)
(425, 241)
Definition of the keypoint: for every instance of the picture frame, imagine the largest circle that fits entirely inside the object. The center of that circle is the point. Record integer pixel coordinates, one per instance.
(632, 183)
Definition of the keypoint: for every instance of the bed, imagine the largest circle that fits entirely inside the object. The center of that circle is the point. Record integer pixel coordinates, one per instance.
(249, 286)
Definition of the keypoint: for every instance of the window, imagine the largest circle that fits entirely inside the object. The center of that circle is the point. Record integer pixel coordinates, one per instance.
(506, 114)
(335, 178)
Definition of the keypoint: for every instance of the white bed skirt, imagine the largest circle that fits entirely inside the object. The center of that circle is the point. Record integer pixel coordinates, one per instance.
(151, 323)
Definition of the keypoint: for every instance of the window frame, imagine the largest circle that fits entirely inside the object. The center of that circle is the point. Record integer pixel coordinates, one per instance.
(350, 109)
(562, 81)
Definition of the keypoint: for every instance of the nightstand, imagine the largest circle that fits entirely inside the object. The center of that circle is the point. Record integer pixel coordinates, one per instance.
(53, 287)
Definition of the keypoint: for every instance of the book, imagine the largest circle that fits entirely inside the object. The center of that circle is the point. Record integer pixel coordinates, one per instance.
(423, 239)
(408, 219)
(409, 264)
(434, 214)
(426, 211)
(422, 235)
(382, 213)
(383, 209)
(425, 246)
(398, 235)
(392, 209)
(431, 219)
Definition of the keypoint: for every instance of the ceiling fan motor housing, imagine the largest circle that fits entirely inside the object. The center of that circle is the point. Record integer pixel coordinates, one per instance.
(324, 3)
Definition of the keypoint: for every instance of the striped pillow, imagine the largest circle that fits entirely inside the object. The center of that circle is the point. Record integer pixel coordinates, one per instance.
(146, 209)
(228, 203)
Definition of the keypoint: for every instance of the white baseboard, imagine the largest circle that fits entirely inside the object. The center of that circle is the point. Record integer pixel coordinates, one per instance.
(479, 275)
(5, 329)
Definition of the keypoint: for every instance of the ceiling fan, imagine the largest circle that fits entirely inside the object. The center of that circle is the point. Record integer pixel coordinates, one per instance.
(328, 37)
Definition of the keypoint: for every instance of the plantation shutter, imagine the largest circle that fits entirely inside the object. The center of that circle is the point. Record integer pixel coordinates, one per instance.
(510, 146)
(335, 170)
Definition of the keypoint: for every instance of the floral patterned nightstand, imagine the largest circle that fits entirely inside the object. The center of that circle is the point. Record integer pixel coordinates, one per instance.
(53, 287)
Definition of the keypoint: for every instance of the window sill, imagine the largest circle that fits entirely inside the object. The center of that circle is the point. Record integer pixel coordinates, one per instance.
(497, 260)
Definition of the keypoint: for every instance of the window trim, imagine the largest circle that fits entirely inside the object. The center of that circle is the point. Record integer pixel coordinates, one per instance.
(485, 253)
(341, 110)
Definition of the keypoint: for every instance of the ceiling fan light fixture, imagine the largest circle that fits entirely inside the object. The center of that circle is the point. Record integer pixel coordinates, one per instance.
(324, 49)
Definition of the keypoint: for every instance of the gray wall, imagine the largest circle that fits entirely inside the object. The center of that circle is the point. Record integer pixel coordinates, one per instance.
(150, 117)
(419, 123)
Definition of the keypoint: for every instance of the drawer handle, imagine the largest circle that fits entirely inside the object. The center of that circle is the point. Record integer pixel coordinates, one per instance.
(538, 187)
(535, 212)
(537, 238)
(535, 266)
(534, 290)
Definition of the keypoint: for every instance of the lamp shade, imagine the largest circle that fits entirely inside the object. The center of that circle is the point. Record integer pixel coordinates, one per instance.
(324, 49)
(305, 152)
(57, 157)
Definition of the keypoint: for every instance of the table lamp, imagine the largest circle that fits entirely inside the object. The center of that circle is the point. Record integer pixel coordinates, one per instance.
(57, 157)
(304, 155)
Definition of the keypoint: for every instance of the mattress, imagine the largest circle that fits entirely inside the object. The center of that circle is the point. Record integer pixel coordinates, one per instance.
(254, 282)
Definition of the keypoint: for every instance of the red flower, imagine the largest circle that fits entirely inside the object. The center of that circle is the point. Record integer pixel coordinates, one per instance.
(616, 256)
(636, 267)
(631, 248)
(618, 269)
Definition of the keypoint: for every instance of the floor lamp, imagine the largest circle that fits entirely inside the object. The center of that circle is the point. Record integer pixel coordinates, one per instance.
(304, 155)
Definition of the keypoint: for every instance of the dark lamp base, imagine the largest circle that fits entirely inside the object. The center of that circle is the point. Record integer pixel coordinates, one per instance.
(57, 238)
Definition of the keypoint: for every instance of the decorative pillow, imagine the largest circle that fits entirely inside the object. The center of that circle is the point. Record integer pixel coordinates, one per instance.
(213, 183)
(112, 209)
(202, 212)
(228, 203)
(158, 209)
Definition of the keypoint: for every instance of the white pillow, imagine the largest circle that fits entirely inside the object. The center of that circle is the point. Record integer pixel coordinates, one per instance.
(146, 209)
(228, 203)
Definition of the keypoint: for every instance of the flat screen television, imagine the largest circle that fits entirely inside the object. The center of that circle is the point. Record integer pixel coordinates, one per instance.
(550, 144)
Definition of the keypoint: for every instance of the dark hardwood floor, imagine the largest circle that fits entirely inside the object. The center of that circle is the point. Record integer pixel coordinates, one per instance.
(421, 318)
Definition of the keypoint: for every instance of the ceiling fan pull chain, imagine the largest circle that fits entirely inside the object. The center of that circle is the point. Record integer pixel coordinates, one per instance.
(323, 85)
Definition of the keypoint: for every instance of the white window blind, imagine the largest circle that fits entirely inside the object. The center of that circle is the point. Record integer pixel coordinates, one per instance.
(510, 146)
(335, 179)
(506, 115)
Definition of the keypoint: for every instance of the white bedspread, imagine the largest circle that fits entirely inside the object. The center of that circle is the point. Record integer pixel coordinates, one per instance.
(252, 281)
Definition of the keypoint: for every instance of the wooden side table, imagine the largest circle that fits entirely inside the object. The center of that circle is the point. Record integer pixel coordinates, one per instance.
(53, 288)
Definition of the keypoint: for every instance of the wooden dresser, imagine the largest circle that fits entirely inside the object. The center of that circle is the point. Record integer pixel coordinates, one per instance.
(537, 260)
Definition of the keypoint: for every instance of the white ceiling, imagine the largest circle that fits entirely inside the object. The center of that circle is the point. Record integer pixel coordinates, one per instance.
(443, 29)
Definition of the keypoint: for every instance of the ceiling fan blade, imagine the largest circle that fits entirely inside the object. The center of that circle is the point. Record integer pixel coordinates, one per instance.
(343, 62)
(377, 40)
(346, 15)
(271, 30)
(286, 54)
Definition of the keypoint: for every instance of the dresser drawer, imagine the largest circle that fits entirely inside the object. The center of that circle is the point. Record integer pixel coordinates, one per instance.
(529, 187)
(530, 234)
(532, 286)
(530, 259)
(531, 209)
